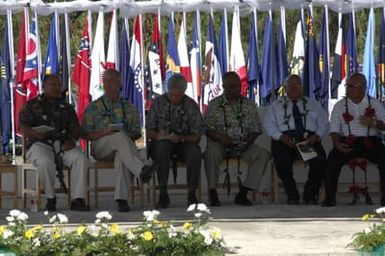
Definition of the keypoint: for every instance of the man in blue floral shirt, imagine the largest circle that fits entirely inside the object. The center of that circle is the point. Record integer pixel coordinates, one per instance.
(292, 119)
(112, 124)
(233, 124)
(174, 126)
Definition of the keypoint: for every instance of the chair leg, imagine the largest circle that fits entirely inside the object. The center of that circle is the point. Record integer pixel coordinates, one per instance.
(69, 187)
(88, 186)
(275, 185)
(96, 187)
(15, 188)
(38, 191)
(24, 184)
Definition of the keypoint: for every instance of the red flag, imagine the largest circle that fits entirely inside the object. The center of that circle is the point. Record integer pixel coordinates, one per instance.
(20, 90)
(81, 72)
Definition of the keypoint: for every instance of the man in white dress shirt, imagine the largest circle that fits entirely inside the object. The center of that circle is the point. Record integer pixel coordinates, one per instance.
(289, 120)
(355, 124)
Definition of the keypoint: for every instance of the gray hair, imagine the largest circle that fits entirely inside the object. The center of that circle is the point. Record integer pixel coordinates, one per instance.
(177, 81)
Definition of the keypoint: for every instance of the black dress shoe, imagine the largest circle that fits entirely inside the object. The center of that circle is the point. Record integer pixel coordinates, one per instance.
(163, 202)
(310, 200)
(242, 200)
(191, 199)
(292, 201)
(147, 172)
(213, 198)
(122, 205)
(329, 202)
(51, 205)
(78, 204)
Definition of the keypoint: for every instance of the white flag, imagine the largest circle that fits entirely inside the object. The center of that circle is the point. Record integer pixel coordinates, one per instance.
(97, 60)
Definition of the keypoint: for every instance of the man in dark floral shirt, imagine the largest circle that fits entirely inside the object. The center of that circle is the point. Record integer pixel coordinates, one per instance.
(174, 126)
(46, 148)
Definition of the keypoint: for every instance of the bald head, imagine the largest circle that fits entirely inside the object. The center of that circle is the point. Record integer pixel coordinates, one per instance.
(294, 87)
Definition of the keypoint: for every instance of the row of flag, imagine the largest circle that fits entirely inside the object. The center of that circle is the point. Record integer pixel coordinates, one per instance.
(260, 77)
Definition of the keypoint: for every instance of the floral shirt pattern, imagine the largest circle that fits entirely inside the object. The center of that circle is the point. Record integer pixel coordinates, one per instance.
(235, 120)
(102, 112)
(183, 118)
(60, 115)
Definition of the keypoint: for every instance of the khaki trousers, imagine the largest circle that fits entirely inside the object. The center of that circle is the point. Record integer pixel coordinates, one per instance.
(256, 158)
(42, 157)
(120, 148)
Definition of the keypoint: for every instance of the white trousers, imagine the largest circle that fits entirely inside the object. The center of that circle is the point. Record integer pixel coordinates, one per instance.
(42, 157)
(120, 148)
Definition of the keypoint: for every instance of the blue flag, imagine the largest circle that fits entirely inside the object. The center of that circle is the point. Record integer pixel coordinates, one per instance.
(369, 66)
(253, 75)
(268, 60)
(323, 63)
(311, 74)
(222, 46)
(124, 64)
(172, 60)
(51, 65)
(351, 48)
(338, 69)
(282, 68)
(5, 97)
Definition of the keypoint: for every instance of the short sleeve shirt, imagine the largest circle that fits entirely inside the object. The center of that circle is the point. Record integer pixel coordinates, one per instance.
(182, 118)
(102, 112)
(235, 120)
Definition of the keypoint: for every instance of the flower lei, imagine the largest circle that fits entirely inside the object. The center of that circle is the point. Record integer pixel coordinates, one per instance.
(287, 116)
(369, 112)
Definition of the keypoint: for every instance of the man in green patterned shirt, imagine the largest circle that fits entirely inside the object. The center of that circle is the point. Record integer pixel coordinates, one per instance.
(112, 124)
(232, 126)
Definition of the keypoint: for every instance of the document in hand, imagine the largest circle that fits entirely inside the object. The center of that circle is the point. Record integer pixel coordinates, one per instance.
(307, 152)
(43, 128)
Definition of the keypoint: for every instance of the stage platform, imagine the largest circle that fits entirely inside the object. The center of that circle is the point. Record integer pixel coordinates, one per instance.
(262, 229)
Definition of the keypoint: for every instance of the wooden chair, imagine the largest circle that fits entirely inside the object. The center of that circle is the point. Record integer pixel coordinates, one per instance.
(37, 191)
(9, 169)
(135, 183)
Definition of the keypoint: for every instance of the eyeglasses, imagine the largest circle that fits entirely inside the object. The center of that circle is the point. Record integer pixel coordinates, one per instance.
(352, 86)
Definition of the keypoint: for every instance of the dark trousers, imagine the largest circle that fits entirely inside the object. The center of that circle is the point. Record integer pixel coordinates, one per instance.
(336, 160)
(161, 153)
(284, 157)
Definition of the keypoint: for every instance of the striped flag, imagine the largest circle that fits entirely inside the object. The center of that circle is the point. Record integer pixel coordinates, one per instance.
(113, 50)
(30, 69)
(184, 62)
(253, 61)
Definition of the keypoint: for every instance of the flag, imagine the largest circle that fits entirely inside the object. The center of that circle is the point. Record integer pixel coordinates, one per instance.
(135, 85)
(282, 68)
(338, 73)
(172, 60)
(5, 94)
(51, 60)
(311, 73)
(195, 60)
(253, 61)
(30, 76)
(324, 62)
(237, 59)
(156, 61)
(351, 49)
(381, 56)
(112, 54)
(20, 89)
(212, 76)
(298, 59)
(81, 72)
(97, 60)
(268, 59)
(184, 62)
(369, 68)
(124, 63)
(64, 63)
(223, 45)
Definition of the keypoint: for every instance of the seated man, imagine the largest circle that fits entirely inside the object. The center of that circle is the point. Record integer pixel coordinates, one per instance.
(233, 124)
(355, 123)
(174, 126)
(112, 124)
(289, 120)
(49, 150)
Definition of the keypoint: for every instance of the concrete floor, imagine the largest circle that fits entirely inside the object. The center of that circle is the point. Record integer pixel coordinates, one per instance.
(262, 229)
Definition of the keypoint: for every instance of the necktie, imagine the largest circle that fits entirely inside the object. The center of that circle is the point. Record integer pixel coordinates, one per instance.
(299, 129)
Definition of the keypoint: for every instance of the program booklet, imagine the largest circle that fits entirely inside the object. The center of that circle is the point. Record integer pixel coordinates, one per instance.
(43, 128)
(307, 152)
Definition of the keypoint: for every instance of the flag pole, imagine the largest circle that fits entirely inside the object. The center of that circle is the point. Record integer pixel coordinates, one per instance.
(11, 82)
(227, 38)
(256, 39)
(39, 63)
(328, 52)
(68, 52)
(142, 77)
